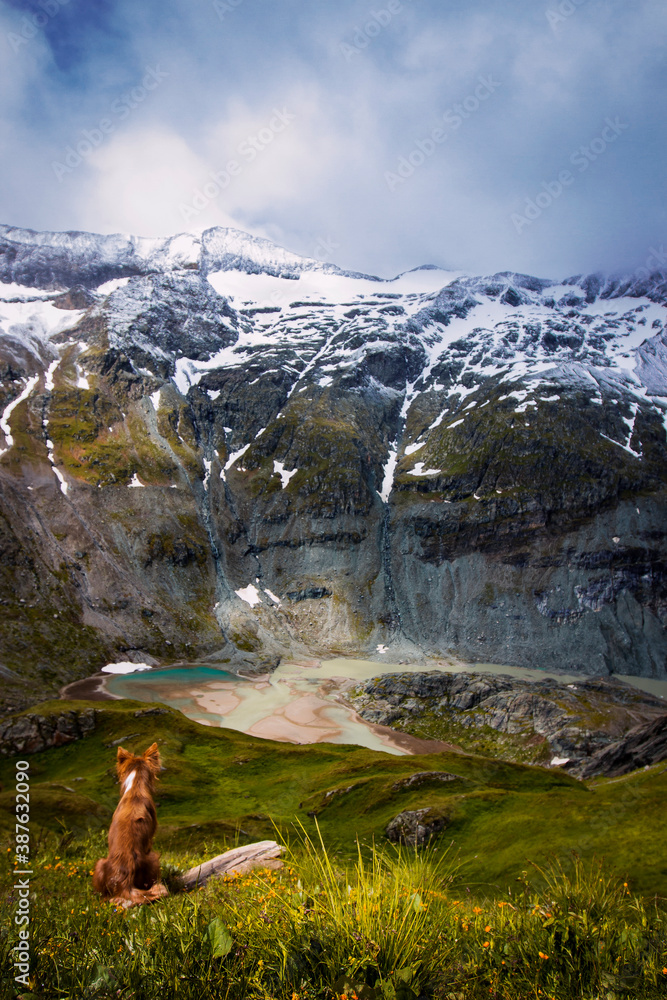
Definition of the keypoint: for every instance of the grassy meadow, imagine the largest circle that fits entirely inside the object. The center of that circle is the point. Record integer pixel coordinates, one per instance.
(540, 885)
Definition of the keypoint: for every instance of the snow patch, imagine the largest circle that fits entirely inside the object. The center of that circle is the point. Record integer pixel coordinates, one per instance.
(388, 474)
(276, 600)
(111, 286)
(135, 481)
(48, 378)
(279, 469)
(235, 455)
(267, 289)
(64, 485)
(9, 409)
(124, 667)
(249, 594)
(11, 290)
(420, 471)
(412, 448)
(625, 447)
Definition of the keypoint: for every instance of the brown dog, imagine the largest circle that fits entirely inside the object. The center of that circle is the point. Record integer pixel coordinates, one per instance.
(130, 874)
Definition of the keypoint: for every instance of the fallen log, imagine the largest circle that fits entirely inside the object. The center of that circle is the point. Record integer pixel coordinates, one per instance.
(264, 854)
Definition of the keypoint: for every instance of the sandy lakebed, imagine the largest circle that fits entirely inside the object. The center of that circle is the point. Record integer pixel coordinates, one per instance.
(302, 701)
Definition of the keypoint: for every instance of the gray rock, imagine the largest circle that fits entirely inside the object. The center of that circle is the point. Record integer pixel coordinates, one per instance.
(426, 778)
(642, 746)
(538, 538)
(30, 733)
(414, 827)
(576, 720)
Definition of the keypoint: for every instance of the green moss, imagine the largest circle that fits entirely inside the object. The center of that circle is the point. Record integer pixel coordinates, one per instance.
(331, 448)
(573, 471)
(95, 443)
(516, 747)
(245, 638)
(175, 426)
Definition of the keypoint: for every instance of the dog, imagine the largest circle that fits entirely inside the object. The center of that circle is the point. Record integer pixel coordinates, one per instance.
(130, 874)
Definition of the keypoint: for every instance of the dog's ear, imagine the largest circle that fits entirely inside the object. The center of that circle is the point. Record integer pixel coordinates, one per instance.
(152, 757)
(123, 755)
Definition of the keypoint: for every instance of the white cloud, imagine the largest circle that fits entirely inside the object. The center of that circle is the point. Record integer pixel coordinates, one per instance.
(137, 180)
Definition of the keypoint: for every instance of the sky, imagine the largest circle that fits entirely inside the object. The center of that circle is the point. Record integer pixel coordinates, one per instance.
(527, 135)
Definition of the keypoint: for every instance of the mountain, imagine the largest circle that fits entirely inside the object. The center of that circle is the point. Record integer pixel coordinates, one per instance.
(216, 448)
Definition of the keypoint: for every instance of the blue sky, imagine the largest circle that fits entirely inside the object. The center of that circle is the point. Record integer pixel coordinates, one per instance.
(525, 135)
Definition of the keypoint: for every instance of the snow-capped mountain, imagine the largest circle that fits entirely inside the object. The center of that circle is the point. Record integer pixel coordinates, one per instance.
(437, 462)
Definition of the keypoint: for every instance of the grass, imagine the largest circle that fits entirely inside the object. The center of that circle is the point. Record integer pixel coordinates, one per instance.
(382, 925)
(217, 781)
(521, 748)
(468, 919)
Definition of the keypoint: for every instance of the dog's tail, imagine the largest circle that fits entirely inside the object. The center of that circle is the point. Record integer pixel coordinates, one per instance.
(118, 875)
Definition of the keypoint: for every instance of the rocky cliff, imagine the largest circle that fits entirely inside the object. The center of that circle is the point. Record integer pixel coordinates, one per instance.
(213, 447)
(595, 723)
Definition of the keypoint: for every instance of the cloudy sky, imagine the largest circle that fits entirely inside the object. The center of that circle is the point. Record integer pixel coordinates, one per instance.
(525, 135)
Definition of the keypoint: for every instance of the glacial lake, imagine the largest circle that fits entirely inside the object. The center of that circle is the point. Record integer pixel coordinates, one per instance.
(298, 703)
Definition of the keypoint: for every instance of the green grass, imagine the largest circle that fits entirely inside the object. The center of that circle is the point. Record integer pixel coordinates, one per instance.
(384, 925)
(343, 919)
(216, 781)
(521, 748)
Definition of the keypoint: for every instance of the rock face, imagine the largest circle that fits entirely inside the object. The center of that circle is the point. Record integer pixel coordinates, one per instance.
(414, 828)
(30, 733)
(642, 746)
(567, 724)
(214, 448)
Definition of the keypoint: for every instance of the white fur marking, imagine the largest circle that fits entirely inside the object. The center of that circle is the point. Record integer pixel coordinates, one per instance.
(129, 781)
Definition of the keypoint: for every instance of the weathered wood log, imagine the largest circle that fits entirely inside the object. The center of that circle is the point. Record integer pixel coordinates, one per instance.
(264, 854)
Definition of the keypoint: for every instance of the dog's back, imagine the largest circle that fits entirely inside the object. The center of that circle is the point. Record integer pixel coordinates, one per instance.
(131, 870)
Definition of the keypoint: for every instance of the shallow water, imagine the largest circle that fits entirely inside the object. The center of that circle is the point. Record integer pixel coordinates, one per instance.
(649, 684)
(286, 706)
(295, 704)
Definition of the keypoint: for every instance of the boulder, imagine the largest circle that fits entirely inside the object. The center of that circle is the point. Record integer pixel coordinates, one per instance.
(414, 827)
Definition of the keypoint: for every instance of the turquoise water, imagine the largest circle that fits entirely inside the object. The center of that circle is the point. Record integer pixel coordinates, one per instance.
(178, 687)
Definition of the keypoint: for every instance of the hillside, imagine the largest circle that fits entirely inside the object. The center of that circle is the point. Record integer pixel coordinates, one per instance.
(216, 448)
(218, 784)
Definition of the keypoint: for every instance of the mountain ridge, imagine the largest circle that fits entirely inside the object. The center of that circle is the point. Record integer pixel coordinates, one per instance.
(452, 464)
